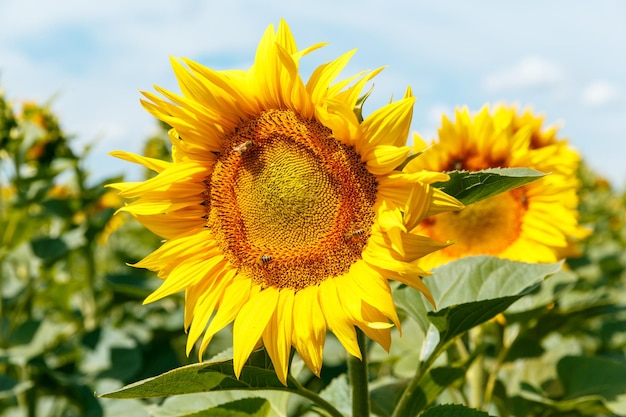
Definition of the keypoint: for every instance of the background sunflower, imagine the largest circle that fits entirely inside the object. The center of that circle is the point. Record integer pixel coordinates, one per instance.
(537, 222)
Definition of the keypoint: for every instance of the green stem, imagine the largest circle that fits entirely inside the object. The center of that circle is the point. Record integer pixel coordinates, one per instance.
(461, 349)
(400, 409)
(476, 372)
(313, 397)
(357, 370)
(505, 347)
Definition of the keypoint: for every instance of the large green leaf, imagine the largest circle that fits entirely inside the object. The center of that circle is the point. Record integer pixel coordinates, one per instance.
(551, 290)
(178, 405)
(246, 407)
(456, 320)
(205, 377)
(481, 285)
(193, 404)
(470, 187)
(469, 292)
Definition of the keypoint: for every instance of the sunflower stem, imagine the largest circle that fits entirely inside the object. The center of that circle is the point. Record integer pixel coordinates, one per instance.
(357, 369)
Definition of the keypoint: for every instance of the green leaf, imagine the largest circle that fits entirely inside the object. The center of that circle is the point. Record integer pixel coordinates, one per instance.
(49, 249)
(131, 283)
(415, 305)
(551, 290)
(453, 410)
(435, 381)
(602, 376)
(193, 403)
(487, 285)
(205, 377)
(114, 356)
(591, 386)
(456, 320)
(10, 387)
(38, 338)
(247, 407)
(337, 393)
(385, 397)
(470, 187)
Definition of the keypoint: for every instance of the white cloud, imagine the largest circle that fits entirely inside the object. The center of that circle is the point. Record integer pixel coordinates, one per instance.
(531, 71)
(96, 56)
(599, 93)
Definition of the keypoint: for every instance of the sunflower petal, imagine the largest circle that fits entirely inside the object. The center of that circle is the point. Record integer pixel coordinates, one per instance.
(309, 327)
(337, 318)
(278, 333)
(250, 323)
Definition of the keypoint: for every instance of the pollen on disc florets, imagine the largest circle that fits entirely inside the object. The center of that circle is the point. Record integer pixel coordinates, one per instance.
(486, 227)
(289, 204)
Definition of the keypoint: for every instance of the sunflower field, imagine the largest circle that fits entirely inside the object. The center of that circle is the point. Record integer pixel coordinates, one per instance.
(291, 252)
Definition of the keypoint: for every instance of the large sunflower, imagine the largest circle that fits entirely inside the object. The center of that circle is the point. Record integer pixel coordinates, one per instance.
(281, 211)
(533, 223)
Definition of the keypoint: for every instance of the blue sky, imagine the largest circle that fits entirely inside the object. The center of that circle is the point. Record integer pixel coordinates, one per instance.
(566, 60)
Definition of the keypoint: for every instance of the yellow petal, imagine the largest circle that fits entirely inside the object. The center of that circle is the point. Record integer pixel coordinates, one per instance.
(336, 317)
(278, 333)
(186, 275)
(235, 296)
(154, 164)
(250, 324)
(203, 303)
(383, 159)
(389, 125)
(324, 75)
(309, 327)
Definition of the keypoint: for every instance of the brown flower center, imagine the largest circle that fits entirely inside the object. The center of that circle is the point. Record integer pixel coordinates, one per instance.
(289, 204)
(487, 227)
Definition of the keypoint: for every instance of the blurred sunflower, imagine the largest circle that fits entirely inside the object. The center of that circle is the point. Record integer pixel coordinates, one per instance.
(281, 211)
(534, 223)
(51, 143)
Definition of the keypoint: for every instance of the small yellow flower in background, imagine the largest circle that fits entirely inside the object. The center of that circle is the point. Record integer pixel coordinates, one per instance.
(7, 192)
(51, 143)
(282, 213)
(36, 114)
(534, 223)
(108, 200)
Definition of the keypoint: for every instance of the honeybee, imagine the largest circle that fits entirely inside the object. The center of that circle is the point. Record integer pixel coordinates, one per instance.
(354, 233)
(243, 147)
(264, 260)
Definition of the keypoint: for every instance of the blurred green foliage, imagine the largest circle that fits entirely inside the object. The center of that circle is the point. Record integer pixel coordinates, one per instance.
(72, 321)
(71, 315)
